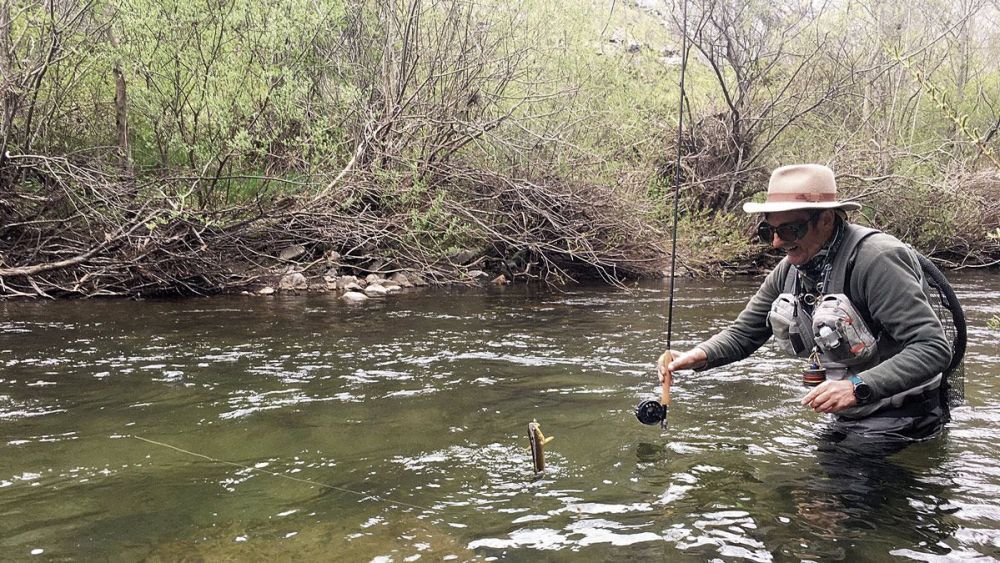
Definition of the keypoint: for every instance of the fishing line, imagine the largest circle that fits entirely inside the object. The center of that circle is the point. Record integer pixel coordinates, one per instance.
(364, 496)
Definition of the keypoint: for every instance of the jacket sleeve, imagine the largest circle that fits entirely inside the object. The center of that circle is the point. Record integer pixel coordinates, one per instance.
(750, 329)
(889, 280)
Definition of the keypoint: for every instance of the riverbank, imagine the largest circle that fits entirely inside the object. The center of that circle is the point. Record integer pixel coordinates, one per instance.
(543, 142)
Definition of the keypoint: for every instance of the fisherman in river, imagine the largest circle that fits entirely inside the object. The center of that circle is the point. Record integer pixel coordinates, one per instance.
(852, 302)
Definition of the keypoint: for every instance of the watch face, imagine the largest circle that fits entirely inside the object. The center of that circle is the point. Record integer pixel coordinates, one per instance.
(862, 392)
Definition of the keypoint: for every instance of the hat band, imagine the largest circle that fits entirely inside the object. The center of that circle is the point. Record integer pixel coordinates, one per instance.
(812, 198)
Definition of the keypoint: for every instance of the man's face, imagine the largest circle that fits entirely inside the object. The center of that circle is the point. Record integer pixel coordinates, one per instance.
(818, 232)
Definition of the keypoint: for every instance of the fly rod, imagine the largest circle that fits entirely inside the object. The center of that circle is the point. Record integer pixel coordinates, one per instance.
(651, 411)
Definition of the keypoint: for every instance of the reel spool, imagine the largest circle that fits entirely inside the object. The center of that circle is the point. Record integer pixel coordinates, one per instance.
(651, 412)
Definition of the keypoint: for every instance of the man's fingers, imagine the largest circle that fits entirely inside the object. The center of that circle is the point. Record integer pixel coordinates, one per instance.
(808, 399)
(663, 364)
(822, 403)
(818, 397)
(830, 397)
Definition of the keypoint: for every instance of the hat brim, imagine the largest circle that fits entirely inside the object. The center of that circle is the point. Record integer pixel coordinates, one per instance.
(777, 207)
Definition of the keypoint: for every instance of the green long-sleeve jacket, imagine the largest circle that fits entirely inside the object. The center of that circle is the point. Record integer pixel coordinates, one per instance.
(888, 280)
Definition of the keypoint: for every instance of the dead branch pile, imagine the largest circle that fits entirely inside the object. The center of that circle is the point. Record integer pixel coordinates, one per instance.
(953, 220)
(553, 230)
(712, 172)
(75, 229)
(70, 229)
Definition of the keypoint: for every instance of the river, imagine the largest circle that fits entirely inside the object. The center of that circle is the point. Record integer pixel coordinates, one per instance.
(300, 428)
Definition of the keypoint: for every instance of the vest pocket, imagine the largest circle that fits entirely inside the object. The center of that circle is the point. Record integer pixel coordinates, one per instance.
(840, 331)
(785, 320)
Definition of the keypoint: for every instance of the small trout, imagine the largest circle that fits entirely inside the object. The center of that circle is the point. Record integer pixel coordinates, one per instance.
(537, 441)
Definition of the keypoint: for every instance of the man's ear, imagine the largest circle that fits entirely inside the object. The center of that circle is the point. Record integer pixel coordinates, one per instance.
(828, 217)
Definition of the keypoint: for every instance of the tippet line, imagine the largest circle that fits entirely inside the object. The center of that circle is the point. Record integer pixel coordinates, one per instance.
(364, 496)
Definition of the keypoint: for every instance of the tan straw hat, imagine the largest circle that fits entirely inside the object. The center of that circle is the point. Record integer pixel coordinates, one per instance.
(801, 186)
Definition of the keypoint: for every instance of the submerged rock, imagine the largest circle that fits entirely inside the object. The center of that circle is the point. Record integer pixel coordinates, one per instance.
(354, 297)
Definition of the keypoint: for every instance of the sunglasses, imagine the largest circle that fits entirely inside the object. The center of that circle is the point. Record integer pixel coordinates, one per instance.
(789, 232)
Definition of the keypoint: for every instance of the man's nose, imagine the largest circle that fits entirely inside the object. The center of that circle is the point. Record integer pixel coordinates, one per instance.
(775, 240)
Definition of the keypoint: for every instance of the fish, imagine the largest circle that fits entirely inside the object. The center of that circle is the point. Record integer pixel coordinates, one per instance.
(537, 442)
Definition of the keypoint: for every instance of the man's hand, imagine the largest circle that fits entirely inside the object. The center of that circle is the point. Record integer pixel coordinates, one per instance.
(671, 361)
(831, 396)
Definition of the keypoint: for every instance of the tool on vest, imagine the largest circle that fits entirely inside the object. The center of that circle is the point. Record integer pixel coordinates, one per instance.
(784, 319)
(650, 412)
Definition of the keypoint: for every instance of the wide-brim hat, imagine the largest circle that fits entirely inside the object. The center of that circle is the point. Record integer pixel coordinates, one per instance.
(801, 186)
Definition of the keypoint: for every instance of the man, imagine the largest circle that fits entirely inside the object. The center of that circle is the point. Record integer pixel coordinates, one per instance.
(848, 300)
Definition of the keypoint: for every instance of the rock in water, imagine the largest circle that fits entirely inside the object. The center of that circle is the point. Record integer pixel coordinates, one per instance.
(354, 297)
(375, 290)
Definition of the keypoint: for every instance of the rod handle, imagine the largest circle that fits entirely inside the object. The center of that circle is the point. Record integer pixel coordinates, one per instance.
(665, 392)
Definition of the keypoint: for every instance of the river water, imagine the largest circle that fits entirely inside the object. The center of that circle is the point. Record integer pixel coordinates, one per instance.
(299, 428)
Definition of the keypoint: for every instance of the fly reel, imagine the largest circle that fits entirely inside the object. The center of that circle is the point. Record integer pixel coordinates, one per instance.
(651, 412)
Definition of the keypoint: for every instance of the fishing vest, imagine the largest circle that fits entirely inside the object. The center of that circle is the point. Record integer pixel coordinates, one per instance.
(843, 334)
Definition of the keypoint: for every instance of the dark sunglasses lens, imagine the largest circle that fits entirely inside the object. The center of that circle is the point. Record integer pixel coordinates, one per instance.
(788, 233)
(765, 232)
(792, 232)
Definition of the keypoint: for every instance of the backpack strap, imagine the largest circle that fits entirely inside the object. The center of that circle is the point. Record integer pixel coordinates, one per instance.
(841, 282)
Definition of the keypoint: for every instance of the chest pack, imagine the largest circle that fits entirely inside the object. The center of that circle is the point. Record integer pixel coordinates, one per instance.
(843, 333)
(828, 324)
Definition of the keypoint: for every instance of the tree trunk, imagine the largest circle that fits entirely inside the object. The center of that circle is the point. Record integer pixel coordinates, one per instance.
(6, 72)
(121, 119)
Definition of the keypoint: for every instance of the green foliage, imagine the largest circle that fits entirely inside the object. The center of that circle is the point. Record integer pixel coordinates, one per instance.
(211, 81)
(616, 71)
(213, 87)
(711, 239)
(436, 228)
(238, 94)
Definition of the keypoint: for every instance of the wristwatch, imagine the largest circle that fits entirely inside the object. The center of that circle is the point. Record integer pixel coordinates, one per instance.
(862, 392)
